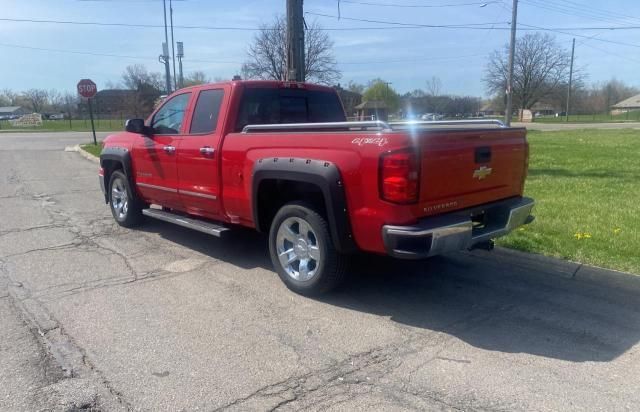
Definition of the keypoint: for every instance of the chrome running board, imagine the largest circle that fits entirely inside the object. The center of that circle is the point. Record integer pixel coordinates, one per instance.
(188, 222)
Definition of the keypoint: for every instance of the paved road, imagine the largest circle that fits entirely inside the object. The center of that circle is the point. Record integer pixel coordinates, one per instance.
(547, 127)
(162, 318)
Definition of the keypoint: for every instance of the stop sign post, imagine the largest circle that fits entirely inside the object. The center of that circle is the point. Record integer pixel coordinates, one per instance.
(87, 88)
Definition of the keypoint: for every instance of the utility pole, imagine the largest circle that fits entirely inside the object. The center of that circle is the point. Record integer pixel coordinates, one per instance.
(573, 49)
(180, 57)
(512, 52)
(295, 41)
(164, 58)
(173, 46)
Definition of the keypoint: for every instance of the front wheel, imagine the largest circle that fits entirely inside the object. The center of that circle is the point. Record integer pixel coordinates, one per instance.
(124, 206)
(302, 251)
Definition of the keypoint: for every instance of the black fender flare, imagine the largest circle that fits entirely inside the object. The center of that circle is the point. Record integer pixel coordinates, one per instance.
(320, 173)
(119, 155)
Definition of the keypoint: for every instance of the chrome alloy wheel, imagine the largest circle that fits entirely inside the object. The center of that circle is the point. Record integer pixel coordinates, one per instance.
(298, 249)
(119, 198)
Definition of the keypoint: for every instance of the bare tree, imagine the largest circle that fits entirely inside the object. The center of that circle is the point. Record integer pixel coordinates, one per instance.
(37, 99)
(10, 96)
(136, 75)
(112, 85)
(267, 55)
(70, 101)
(195, 78)
(541, 68)
(434, 86)
(356, 87)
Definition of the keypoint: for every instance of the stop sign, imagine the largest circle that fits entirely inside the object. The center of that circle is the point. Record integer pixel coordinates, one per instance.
(87, 88)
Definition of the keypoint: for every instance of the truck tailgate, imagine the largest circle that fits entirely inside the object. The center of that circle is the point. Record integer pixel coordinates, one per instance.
(465, 168)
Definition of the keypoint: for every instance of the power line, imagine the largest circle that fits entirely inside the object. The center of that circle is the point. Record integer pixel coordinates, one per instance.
(19, 46)
(414, 60)
(412, 25)
(396, 25)
(572, 11)
(479, 26)
(560, 31)
(584, 7)
(139, 25)
(367, 3)
(612, 53)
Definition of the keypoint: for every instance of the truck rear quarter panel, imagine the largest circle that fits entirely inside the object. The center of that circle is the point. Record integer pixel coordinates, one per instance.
(356, 154)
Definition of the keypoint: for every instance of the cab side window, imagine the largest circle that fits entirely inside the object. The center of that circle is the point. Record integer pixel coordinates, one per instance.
(205, 115)
(168, 120)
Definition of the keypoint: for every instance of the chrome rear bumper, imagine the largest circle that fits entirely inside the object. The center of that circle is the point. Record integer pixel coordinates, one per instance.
(457, 231)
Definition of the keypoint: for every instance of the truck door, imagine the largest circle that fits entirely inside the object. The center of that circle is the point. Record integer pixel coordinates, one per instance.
(155, 157)
(198, 156)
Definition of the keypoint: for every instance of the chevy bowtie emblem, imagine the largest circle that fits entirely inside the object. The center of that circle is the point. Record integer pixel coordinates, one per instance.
(482, 172)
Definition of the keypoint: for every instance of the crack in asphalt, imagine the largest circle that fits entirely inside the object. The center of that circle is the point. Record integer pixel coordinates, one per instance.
(28, 229)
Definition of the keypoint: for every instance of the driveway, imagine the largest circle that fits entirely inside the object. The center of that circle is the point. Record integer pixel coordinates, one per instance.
(162, 318)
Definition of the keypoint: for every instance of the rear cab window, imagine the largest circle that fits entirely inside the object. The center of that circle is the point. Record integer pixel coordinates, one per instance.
(206, 112)
(276, 106)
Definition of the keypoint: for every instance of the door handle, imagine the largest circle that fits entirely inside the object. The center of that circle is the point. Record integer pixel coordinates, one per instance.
(207, 151)
(169, 149)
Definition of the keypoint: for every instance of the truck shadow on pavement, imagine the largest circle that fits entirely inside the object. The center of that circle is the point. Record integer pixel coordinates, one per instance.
(480, 298)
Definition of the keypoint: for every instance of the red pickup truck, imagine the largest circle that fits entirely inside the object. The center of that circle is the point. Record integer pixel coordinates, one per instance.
(280, 157)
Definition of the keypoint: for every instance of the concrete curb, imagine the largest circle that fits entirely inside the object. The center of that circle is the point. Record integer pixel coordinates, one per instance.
(573, 270)
(83, 153)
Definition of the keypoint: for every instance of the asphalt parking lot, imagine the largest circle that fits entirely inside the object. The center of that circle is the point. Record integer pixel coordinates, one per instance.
(161, 318)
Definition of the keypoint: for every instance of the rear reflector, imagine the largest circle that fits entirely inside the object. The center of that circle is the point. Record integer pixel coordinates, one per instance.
(399, 176)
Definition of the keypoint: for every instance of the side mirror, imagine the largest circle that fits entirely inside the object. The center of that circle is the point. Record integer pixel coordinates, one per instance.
(137, 126)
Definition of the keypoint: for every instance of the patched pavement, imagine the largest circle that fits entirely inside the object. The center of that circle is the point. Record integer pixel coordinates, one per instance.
(163, 318)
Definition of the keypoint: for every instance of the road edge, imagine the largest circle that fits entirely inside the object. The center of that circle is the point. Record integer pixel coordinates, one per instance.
(84, 153)
(580, 272)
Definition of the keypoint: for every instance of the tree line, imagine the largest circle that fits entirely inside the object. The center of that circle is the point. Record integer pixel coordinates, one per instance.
(146, 88)
(541, 75)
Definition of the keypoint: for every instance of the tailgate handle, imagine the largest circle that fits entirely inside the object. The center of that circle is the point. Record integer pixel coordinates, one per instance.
(483, 154)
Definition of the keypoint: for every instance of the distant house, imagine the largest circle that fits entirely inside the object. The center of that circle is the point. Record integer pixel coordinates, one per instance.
(490, 108)
(627, 105)
(372, 110)
(114, 102)
(10, 112)
(544, 109)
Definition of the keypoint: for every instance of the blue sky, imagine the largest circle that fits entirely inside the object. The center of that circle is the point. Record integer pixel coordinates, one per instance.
(405, 57)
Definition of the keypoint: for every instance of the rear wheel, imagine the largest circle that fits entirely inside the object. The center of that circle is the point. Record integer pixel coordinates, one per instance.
(124, 206)
(302, 251)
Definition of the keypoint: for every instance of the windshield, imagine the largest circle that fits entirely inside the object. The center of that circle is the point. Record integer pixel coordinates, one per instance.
(275, 106)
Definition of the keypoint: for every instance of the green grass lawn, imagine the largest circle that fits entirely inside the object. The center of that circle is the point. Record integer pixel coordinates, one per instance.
(633, 116)
(102, 125)
(92, 148)
(587, 187)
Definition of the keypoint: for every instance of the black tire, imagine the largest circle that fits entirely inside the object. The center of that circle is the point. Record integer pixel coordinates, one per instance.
(126, 211)
(330, 268)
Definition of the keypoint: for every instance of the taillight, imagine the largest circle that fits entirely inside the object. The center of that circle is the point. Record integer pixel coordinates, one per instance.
(399, 176)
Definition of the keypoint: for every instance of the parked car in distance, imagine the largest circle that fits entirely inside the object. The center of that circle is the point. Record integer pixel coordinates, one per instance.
(280, 157)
